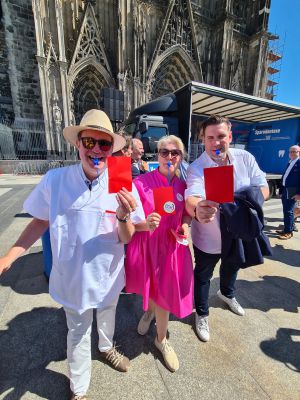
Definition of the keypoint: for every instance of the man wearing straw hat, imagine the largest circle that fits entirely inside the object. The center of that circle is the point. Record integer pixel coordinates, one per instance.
(88, 227)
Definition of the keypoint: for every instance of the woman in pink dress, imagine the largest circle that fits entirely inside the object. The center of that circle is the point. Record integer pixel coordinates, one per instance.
(157, 266)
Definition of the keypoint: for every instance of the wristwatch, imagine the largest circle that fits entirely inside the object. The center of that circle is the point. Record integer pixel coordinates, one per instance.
(123, 219)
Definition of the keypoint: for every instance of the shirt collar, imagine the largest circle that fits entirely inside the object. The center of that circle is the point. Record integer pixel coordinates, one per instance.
(293, 162)
(89, 183)
(213, 163)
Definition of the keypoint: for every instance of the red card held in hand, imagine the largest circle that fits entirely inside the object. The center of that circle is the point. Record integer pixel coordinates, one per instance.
(119, 174)
(164, 200)
(219, 184)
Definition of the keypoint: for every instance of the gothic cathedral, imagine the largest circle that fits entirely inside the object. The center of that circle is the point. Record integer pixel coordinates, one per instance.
(57, 56)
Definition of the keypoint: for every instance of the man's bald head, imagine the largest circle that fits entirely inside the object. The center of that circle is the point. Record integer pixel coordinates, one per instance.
(294, 152)
(137, 149)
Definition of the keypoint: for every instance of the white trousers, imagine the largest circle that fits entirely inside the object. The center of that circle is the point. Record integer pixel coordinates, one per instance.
(79, 342)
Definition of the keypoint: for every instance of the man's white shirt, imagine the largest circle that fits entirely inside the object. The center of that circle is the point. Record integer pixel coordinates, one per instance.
(88, 258)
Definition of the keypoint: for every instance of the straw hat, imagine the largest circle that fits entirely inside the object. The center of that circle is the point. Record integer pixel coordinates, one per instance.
(95, 120)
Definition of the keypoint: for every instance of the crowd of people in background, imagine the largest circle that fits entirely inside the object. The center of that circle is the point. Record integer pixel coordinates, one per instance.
(89, 227)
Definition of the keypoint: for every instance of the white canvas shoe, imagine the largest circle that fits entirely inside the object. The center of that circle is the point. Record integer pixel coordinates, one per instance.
(232, 303)
(202, 328)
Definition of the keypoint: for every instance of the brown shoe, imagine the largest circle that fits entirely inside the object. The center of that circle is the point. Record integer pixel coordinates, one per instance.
(78, 397)
(115, 359)
(285, 236)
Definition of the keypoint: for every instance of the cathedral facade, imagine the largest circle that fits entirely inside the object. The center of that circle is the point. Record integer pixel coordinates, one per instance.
(59, 58)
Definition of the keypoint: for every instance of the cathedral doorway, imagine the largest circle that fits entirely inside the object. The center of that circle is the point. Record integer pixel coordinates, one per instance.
(86, 91)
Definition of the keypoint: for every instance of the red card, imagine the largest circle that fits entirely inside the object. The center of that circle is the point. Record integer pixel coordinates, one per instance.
(219, 183)
(119, 174)
(164, 200)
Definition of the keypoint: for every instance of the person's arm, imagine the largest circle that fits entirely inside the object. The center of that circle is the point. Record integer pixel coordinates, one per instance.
(190, 205)
(127, 204)
(265, 191)
(149, 224)
(184, 229)
(33, 231)
(257, 176)
(142, 226)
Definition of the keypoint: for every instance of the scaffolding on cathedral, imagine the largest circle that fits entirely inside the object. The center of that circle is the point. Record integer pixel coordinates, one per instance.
(274, 60)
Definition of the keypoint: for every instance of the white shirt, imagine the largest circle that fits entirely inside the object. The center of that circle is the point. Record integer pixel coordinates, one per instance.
(88, 257)
(207, 237)
(291, 164)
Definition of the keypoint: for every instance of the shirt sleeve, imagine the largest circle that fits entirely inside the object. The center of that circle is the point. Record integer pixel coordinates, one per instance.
(38, 202)
(194, 182)
(138, 215)
(257, 176)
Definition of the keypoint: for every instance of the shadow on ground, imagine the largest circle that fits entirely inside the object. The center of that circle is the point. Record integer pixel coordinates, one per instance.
(33, 340)
(286, 256)
(284, 348)
(26, 275)
(272, 292)
(30, 343)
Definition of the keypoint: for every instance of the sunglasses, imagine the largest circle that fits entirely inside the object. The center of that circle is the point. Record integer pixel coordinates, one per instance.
(165, 153)
(89, 143)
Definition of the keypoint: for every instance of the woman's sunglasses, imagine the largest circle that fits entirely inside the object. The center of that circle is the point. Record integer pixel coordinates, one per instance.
(89, 143)
(165, 153)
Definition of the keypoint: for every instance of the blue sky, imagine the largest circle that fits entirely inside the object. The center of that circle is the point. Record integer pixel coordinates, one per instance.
(285, 21)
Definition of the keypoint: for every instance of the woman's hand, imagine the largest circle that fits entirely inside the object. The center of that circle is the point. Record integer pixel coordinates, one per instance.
(126, 202)
(153, 221)
(184, 230)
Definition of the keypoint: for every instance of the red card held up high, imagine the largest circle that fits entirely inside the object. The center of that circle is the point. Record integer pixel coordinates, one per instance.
(164, 200)
(218, 183)
(119, 174)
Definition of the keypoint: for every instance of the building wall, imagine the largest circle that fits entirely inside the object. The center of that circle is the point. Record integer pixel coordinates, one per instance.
(6, 107)
(20, 56)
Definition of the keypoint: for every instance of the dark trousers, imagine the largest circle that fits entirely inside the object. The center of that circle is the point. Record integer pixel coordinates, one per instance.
(203, 272)
(288, 212)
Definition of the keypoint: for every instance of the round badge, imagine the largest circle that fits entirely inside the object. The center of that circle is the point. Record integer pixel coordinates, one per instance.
(179, 197)
(169, 207)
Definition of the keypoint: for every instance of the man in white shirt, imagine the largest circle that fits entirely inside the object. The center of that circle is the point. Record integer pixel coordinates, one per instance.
(290, 192)
(217, 136)
(88, 227)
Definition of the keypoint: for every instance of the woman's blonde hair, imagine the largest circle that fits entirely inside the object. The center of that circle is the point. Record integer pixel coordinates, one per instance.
(171, 139)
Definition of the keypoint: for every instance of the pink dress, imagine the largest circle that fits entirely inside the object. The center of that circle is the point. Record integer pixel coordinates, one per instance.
(156, 266)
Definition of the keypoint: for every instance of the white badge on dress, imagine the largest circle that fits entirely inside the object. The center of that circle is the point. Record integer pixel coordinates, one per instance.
(179, 196)
(169, 207)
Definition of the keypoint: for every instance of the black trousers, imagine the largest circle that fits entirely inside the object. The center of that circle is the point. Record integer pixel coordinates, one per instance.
(205, 265)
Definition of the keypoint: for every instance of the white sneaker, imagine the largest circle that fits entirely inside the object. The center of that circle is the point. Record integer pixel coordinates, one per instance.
(145, 322)
(202, 328)
(232, 303)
